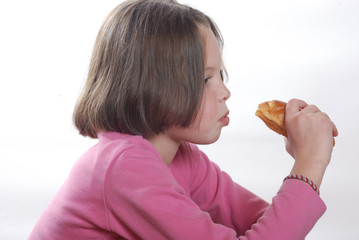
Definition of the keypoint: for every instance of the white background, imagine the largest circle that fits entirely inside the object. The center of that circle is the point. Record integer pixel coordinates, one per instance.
(275, 49)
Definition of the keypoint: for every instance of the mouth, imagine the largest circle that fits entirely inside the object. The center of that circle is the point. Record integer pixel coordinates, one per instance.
(225, 119)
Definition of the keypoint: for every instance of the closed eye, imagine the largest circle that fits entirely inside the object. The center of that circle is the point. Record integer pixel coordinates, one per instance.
(221, 75)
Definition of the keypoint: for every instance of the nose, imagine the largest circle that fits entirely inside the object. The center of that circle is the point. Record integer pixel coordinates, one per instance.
(225, 93)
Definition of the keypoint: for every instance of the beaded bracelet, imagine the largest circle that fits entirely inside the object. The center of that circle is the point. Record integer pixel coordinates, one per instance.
(304, 179)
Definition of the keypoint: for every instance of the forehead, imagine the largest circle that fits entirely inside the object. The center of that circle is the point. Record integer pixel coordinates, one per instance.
(213, 58)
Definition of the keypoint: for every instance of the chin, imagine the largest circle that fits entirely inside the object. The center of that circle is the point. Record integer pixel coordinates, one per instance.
(208, 139)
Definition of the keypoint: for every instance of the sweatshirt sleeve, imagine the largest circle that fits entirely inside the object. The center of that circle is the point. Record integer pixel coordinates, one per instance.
(291, 215)
(227, 202)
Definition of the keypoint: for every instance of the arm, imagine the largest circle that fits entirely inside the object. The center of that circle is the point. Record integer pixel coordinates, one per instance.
(292, 214)
(227, 202)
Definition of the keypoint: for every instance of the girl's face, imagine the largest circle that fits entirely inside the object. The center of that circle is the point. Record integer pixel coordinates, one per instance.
(213, 112)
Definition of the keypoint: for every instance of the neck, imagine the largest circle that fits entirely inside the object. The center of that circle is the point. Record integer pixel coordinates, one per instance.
(166, 147)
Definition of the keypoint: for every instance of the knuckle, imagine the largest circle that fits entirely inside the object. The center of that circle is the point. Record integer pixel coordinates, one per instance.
(312, 107)
(293, 101)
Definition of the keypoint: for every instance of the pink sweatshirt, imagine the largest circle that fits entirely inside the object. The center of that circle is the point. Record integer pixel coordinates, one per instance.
(121, 189)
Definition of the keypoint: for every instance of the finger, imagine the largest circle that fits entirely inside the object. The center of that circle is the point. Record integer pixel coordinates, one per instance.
(334, 128)
(294, 106)
(311, 109)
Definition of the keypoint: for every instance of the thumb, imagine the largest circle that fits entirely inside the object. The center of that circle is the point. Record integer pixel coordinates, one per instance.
(294, 106)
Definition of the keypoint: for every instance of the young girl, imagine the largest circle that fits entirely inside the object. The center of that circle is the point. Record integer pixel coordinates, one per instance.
(154, 90)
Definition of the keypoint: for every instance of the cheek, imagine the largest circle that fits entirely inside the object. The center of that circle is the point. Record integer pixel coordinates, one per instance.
(204, 123)
(207, 112)
(208, 108)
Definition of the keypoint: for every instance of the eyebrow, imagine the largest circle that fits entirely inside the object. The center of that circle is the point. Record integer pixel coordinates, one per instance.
(210, 69)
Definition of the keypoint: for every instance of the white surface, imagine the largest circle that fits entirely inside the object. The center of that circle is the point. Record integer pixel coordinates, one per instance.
(274, 50)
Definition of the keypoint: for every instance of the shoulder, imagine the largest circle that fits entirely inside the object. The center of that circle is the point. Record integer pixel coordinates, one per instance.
(118, 155)
(116, 145)
(113, 150)
(129, 157)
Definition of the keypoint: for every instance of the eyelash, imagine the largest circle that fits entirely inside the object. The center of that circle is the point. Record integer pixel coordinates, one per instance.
(220, 73)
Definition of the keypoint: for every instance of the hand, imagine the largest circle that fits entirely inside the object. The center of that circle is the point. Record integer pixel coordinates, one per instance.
(310, 139)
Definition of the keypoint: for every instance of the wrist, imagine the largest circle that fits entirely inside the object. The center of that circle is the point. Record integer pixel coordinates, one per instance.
(304, 179)
(314, 172)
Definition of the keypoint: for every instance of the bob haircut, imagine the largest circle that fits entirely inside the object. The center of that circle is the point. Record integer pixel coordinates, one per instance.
(147, 70)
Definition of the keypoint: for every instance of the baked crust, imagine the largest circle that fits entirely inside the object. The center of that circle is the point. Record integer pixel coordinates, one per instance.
(272, 114)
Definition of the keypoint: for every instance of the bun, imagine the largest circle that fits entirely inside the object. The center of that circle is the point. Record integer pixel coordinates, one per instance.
(273, 114)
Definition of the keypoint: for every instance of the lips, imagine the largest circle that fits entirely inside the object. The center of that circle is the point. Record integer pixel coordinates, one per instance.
(225, 119)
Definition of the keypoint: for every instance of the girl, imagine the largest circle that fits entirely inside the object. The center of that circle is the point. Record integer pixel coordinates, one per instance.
(154, 90)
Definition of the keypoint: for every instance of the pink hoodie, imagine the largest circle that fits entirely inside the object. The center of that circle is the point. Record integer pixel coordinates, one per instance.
(121, 189)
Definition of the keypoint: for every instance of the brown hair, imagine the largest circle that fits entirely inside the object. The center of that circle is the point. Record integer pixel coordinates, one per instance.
(147, 70)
